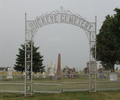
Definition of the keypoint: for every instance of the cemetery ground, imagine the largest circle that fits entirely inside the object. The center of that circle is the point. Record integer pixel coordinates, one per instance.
(47, 84)
(111, 95)
(63, 84)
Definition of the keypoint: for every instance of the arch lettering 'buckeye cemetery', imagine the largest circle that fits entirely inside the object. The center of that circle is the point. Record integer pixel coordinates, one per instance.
(58, 16)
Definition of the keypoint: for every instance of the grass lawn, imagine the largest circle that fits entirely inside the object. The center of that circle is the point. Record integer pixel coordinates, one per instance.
(113, 95)
(64, 83)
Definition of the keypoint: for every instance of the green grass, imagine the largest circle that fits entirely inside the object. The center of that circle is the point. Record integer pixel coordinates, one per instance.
(66, 86)
(113, 95)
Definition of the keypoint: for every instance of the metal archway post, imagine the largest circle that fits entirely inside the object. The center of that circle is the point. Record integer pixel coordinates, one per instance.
(28, 59)
(92, 60)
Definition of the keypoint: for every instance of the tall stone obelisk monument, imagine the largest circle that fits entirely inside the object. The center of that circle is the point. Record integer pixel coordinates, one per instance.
(59, 65)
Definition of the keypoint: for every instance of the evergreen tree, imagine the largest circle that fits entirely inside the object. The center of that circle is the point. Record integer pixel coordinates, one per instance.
(37, 60)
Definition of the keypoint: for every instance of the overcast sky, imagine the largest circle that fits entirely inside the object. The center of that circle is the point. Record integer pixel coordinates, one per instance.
(69, 40)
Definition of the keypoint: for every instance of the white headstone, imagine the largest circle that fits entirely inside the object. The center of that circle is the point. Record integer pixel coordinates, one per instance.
(100, 66)
(23, 73)
(9, 74)
(37, 75)
(54, 68)
(79, 71)
(51, 70)
(43, 75)
(113, 77)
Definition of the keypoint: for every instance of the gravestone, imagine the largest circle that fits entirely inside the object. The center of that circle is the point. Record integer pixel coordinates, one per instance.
(43, 75)
(100, 70)
(9, 74)
(76, 75)
(1, 77)
(37, 75)
(86, 70)
(102, 76)
(79, 71)
(59, 71)
(51, 70)
(54, 77)
(113, 77)
(23, 74)
(71, 72)
(17, 76)
(66, 70)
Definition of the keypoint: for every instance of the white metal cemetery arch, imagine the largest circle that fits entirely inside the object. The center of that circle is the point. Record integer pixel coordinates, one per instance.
(58, 16)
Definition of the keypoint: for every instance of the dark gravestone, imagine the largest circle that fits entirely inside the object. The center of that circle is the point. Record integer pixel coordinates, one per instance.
(100, 70)
(59, 78)
(76, 75)
(86, 70)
